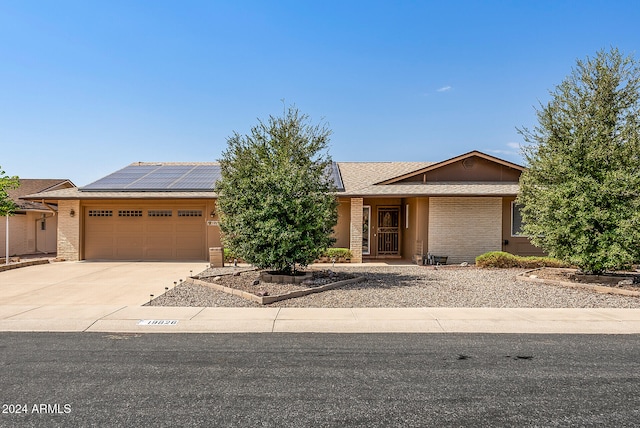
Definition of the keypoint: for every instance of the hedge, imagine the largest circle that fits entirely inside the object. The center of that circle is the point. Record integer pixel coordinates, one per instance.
(501, 259)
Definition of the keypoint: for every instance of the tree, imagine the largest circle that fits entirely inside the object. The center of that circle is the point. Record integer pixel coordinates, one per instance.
(580, 196)
(276, 198)
(7, 206)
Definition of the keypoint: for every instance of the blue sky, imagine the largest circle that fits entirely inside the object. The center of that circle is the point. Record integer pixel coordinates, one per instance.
(87, 87)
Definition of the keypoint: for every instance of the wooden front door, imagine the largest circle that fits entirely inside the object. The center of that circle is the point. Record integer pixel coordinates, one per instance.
(388, 231)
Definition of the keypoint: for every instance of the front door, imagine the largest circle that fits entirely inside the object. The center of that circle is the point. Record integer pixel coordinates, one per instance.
(388, 231)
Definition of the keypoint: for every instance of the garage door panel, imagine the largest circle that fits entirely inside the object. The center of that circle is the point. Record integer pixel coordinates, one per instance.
(137, 235)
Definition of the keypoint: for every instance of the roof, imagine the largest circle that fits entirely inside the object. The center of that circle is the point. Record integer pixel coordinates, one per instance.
(196, 180)
(436, 165)
(30, 186)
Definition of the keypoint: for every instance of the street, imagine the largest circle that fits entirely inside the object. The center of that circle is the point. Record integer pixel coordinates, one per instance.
(287, 380)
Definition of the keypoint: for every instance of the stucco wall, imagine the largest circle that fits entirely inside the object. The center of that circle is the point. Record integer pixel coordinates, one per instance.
(341, 230)
(464, 228)
(17, 235)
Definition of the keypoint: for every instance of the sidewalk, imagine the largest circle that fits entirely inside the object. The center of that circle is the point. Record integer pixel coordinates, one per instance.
(147, 319)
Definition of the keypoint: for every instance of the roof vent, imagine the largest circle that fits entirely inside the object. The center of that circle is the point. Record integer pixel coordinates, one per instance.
(468, 163)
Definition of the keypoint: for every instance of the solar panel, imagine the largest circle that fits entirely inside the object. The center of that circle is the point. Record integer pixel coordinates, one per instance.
(336, 177)
(159, 178)
(168, 178)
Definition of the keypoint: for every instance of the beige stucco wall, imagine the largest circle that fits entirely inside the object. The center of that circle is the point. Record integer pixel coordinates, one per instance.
(17, 235)
(415, 231)
(341, 230)
(464, 228)
(25, 234)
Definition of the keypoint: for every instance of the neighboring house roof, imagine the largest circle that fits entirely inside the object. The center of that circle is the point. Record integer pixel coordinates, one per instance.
(29, 186)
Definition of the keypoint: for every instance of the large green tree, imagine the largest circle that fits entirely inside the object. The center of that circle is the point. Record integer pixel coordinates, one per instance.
(7, 206)
(276, 199)
(580, 196)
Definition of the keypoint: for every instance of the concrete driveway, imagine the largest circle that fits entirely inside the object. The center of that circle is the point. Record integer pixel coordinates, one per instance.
(91, 283)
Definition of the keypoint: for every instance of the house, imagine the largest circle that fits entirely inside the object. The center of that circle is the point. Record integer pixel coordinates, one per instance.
(32, 228)
(458, 208)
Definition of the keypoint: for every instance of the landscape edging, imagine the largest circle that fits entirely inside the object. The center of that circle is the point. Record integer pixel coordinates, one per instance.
(524, 276)
(265, 300)
(17, 265)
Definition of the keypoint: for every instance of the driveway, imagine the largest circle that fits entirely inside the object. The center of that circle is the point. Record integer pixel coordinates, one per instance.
(91, 283)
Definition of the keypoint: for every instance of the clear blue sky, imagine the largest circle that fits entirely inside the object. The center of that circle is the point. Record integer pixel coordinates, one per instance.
(87, 87)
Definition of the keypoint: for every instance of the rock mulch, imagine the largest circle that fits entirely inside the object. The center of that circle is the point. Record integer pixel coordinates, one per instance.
(416, 286)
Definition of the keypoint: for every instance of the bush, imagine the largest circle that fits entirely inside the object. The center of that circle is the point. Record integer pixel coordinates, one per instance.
(337, 253)
(501, 259)
(230, 256)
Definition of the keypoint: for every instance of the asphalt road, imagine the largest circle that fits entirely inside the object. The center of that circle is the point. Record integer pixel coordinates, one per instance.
(287, 380)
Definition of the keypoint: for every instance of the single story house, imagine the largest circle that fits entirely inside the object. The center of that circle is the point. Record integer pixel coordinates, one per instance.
(32, 228)
(459, 208)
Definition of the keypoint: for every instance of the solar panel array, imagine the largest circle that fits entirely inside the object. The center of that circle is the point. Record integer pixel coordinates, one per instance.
(166, 178)
(336, 177)
(171, 178)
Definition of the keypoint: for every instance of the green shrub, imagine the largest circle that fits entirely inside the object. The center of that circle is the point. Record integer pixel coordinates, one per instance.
(501, 259)
(337, 253)
(230, 256)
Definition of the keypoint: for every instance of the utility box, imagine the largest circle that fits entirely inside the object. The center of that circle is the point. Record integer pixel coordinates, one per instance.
(216, 257)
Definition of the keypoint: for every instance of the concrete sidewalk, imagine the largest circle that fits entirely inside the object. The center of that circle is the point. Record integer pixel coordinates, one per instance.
(108, 297)
(146, 319)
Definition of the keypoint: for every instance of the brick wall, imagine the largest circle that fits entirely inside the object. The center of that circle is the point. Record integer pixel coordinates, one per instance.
(464, 228)
(355, 235)
(69, 230)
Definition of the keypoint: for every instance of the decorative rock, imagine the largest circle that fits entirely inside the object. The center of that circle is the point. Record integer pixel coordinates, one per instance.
(626, 282)
(217, 278)
(236, 274)
(464, 264)
(256, 282)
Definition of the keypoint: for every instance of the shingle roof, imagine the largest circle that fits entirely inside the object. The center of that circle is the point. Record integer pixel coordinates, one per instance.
(356, 179)
(30, 186)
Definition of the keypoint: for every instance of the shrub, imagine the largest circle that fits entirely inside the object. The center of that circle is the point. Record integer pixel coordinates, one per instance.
(337, 253)
(501, 259)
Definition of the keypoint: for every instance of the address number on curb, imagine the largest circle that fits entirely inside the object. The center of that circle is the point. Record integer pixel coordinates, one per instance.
(158, 322)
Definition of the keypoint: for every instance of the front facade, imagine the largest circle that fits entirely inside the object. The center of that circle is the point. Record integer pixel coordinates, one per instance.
(458, 208)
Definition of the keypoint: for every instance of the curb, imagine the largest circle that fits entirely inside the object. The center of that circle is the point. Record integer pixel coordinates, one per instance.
(23, 264)
(524, 276)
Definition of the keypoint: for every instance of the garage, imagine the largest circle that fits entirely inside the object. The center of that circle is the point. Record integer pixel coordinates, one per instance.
(144, 232)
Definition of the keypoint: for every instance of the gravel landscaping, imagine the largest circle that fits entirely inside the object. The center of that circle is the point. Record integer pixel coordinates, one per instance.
(414, 286)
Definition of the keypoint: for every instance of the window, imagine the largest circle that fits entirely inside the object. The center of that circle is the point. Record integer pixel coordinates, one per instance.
(366, 220)
(130, 213)
(189, 213)
(516, 220)
(100, 213)
(160, 213)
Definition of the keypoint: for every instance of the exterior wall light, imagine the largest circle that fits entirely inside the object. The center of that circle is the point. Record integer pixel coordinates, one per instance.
(72, 213)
